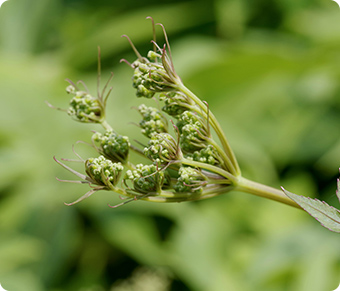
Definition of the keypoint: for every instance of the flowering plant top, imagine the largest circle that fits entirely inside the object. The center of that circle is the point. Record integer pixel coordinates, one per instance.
(183, 159)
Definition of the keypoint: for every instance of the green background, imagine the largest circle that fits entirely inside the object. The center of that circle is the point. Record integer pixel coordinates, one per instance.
(270, 71)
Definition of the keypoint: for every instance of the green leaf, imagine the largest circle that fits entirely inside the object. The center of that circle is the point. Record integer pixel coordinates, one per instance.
(328, 216)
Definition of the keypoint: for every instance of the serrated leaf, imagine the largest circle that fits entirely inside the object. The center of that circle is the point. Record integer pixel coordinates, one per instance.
(327, 215)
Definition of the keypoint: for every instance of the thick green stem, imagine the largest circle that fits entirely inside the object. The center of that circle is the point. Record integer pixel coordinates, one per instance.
(261, 190)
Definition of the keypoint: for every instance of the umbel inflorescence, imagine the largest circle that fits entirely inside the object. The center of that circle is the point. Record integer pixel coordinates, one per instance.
(183, 160)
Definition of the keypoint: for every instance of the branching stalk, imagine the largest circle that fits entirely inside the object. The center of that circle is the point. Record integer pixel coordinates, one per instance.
(216, 126)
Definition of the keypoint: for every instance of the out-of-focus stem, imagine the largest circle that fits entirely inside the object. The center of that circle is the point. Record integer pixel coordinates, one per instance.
(106, 126)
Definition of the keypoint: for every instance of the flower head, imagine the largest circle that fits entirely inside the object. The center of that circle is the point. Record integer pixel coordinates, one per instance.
(102, 174)
(207, 155)
(112, 146)
(84, 107)
(146, 179)
(174, 103)
(188, 167)
(103, 171)
(153, 121)
(194, 133)
(190, 180)
(163, 148)
(156, 72)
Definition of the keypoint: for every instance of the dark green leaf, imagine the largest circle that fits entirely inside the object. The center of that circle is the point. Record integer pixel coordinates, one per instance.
(328, 216)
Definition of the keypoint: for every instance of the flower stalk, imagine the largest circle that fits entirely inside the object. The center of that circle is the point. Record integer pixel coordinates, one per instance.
(251, 187)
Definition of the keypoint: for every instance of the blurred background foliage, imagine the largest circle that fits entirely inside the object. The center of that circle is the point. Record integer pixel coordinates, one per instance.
(270, 71)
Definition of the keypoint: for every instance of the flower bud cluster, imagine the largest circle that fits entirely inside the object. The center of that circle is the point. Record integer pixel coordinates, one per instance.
(194, 133)
(147, 179)
(149, 76)
(173, 103)
(112, 146)
(162, 148)
(190, 180)
(206, 155)
(153, 121)
(154, 73)
(103, 171)
(191, 163)
(140, 80)
(84, 107)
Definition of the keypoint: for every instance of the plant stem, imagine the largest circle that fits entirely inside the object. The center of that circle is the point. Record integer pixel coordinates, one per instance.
(261, 190)
(216, 126)
(106, 125)
(211, 168)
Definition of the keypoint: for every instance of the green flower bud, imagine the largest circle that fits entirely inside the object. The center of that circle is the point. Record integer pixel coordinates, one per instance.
(147, 179)
(112, 146)
(71, 89)
(142, 68)
(162, 148)
(142, 91)
(84, 107)
(103, 171)
(156, 72)
(153, 56)
(151, 76)
(190, 138)
(139, 80)
(136, 79)
(171, 106)
(189, 117)
(153, 121)
(190, 180)
(194, 133)
(206, 155)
